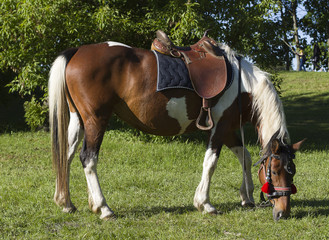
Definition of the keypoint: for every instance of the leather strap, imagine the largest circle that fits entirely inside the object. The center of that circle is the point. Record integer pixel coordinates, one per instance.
(242, 130)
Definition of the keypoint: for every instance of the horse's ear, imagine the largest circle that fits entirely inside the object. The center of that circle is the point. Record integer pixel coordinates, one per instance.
(297, 145)
(275, 146)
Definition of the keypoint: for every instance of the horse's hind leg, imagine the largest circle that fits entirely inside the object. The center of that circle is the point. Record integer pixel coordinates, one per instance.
(89, 157)
(75, 134)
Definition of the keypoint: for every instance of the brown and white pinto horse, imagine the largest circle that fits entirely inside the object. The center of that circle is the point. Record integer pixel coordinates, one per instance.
(89, 83)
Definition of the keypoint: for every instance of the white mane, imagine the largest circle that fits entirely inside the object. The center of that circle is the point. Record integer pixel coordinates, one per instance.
(266, 104)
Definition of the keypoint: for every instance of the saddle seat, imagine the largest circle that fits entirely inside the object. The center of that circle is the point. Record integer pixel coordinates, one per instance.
(207, 69)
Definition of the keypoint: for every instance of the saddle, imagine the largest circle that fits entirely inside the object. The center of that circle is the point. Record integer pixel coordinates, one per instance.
(207, 69)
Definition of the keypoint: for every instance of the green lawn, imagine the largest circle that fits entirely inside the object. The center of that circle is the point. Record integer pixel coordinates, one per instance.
(306, 102)
(150, 183)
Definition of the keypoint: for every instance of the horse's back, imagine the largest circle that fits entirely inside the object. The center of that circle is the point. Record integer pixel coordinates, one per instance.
(104, 64)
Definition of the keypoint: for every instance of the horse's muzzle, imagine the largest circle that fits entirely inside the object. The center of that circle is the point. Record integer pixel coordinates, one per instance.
(280, 214)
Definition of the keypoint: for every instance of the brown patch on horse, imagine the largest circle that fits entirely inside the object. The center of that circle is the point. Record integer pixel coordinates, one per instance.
(225, 129)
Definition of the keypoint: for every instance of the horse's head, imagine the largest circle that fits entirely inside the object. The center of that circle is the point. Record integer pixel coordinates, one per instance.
(276, 174)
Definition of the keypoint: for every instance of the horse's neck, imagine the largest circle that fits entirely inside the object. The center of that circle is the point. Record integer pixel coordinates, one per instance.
(267, 107)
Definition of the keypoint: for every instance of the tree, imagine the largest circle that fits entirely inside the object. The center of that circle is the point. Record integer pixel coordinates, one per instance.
(33, 33)
(316, 21)
(254, 28)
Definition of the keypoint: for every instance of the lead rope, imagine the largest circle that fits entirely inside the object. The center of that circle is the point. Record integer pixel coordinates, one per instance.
(263, 202)
(242, 131)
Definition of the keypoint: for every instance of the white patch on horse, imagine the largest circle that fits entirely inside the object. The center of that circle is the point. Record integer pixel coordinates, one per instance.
(114, 44)
(177, 109)
(75, 134)
(201, 197)
(228, 97)
(97, 201)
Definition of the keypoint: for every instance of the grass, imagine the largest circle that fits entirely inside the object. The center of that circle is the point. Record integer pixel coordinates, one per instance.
(150, 183)
(306, 100)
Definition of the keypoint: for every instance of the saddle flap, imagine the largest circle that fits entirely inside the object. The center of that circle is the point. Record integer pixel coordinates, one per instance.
(208, 76)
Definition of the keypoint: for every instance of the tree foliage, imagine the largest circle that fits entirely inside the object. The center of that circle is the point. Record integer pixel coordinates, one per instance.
(33, 32)
(316, 24)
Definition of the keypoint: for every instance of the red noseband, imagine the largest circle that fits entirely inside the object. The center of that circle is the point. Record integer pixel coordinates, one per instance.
(269, 188)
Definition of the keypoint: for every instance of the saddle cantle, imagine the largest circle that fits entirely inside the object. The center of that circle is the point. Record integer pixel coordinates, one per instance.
(207, 69)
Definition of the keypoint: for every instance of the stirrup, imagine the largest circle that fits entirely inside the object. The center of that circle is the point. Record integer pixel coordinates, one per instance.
(201, 120)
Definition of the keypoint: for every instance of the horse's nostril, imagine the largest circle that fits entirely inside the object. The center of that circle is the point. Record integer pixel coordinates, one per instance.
(278, 215)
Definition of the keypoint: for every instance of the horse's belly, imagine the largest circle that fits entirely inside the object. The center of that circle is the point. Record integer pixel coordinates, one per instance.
(165, 118)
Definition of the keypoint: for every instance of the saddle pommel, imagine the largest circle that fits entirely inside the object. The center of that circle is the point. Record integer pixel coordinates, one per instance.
(164, 45)
(163, 37)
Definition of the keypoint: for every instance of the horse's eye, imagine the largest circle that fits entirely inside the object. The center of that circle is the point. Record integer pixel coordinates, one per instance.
(274, 173)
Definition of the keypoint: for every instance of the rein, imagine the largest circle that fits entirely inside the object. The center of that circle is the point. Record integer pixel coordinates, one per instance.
(241, 128)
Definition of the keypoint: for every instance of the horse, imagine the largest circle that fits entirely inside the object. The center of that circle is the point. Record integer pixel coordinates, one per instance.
(87, 84)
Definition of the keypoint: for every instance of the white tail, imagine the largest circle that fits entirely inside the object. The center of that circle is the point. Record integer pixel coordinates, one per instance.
(58, 120)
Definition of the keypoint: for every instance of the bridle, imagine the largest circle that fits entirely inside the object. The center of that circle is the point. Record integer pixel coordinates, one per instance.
(268, 188)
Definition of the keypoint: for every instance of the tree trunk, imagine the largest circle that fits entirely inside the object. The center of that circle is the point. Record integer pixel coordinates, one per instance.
(285, 47)
(295, 25)
(328, 54)
(287, 58)
(328, 44)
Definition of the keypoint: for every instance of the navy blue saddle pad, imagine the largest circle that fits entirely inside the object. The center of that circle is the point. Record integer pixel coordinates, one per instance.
(172, 73)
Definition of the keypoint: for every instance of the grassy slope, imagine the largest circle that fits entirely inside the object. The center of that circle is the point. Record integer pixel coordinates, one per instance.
(306, 101)
(151, 185)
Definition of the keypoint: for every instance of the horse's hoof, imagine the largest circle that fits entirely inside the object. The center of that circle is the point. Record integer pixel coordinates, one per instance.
(111, 217)
(71, 209)
(107, 213)
(248, 205)
(214, 213)
(209, 209)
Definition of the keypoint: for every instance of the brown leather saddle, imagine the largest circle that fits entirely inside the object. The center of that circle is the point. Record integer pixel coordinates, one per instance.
(207, 68)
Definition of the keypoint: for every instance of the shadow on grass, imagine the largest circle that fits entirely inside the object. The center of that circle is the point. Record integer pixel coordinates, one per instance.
(179, 210)
(318, 208)
(149, 212)
(308, 117)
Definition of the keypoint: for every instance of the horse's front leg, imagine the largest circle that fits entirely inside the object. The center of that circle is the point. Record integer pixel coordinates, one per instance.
(247, 186)
(201, 197)
(89, 159)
